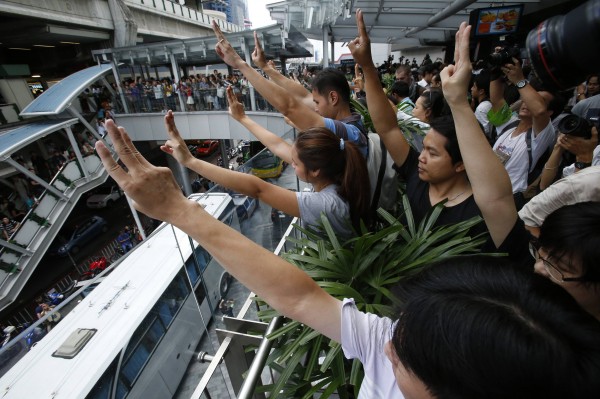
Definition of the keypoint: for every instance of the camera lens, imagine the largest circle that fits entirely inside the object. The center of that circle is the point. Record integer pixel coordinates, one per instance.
(556, 42)
(575, 126)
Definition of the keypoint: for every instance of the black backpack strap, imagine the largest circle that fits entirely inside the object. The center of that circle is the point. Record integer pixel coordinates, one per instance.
(528, 142)
(382, 166)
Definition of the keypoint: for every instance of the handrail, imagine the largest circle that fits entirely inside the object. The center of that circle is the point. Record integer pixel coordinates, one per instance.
(262, 354)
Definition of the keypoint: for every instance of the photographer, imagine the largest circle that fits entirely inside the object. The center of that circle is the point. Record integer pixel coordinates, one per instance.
(586, 151)
(520, 147)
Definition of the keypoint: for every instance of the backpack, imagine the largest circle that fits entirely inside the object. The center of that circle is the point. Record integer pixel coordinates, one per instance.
(383, 178)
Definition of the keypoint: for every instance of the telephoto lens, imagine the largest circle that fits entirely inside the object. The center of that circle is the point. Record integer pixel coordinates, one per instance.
(565, 48)
(575, 126)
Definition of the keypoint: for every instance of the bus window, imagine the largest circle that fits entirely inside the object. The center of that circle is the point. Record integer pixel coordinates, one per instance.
(172, 299)
(192, 270)
(141, 345)
(202, 257)
(200, 293)
(102, 389)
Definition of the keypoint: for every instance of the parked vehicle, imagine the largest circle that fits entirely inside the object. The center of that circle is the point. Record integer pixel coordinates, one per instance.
(104, 196)
(98, 265)
(84, 233)
(54, 297)
(207, 147)
(266, 165)
(245, 206)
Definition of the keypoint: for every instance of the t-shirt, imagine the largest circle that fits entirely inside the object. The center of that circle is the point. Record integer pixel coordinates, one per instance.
(481, 113)
(353, 133)
(418, 196)
(364, 336)
(328, 201)
(512, 151)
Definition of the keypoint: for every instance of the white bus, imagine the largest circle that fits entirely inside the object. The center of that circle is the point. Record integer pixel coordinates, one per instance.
(134, 335)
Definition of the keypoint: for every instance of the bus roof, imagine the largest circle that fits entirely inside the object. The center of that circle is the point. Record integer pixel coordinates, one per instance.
(115, 308)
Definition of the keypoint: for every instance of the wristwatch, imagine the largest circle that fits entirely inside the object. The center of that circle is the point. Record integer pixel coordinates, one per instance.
(582, 165)
(522, 83)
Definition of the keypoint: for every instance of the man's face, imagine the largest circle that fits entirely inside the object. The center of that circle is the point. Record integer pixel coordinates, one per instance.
(323, 105)
(435, 163)
(402, 76)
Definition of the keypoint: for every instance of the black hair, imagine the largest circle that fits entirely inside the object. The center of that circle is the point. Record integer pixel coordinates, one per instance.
(319, 149)
(433, 99)
(573, 232)
(444, 125)
(330, 79)
(479, 327)
(400, 88)
(482, 80)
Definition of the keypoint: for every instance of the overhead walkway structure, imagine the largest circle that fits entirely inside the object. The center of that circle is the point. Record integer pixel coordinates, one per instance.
(58, 106)
(21, 254)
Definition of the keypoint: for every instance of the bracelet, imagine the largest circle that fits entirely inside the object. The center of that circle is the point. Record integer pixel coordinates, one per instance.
(550, 168)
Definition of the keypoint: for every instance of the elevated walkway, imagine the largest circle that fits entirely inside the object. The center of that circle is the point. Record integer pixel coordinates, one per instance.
(21, 254)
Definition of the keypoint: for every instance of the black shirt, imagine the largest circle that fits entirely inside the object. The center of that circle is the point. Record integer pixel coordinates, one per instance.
(418, 195)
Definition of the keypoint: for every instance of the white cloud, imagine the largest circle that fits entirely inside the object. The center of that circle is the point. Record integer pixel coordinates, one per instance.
(258, 13)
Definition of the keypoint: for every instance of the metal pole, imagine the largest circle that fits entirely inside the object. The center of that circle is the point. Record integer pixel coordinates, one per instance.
(84, 122)
(75, 146)
(325, 48)
(35, 177)
(115, 68)
(136, 217)
(256, 368)
(177, 79)
(248, 56)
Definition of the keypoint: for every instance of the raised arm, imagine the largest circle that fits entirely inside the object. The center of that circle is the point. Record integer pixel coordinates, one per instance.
(491, 185)
(274, 143)
(292, 87)
(551, 167)
(301, 115)
(382, 114)
(278, 197)
(533, 100)
(155, 192)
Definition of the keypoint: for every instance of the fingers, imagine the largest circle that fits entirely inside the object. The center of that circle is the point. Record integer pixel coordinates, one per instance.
(126, 153)
(140, 158)
(360, 24)
(112, 167)
(230, 96)
(218, 31)
(257, 44)
(170, 124)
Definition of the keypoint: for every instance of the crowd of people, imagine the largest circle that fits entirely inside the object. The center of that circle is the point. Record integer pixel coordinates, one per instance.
(523, 326)
(26, 189)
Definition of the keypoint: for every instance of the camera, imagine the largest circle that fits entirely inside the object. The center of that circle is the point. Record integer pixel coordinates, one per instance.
(504, 56)
(574, 125)
(557, 42)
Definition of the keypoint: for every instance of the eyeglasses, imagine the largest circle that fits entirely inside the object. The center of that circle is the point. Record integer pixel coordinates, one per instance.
(555, 273)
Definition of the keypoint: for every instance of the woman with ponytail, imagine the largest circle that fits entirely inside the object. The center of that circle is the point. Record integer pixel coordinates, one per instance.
(335, 168)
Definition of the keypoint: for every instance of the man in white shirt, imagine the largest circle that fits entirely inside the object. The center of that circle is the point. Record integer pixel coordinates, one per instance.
(518, 157)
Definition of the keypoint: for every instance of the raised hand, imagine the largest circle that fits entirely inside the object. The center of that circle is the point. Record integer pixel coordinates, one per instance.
(224, 48)
(258, 55)
(175, 145)
(513, 71)
(152, 189)
(361, 46)
(456, 78)
(236, 109)
(580, 146)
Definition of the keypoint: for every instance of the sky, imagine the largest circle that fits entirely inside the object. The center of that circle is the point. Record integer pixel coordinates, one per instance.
(259, 14)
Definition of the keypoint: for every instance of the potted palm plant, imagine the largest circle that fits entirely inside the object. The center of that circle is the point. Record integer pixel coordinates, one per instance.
(365, 268)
